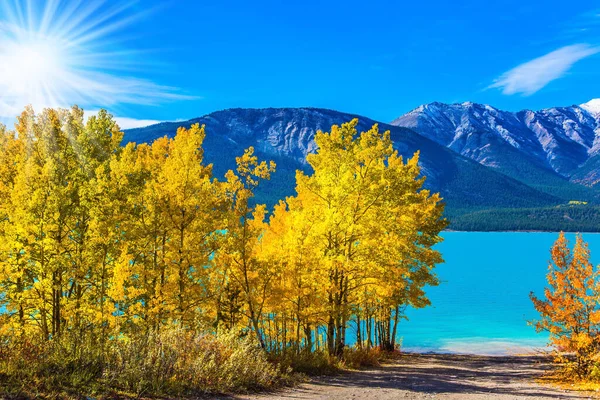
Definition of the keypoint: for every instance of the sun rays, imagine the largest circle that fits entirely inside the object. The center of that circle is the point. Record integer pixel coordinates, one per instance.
(59, 53)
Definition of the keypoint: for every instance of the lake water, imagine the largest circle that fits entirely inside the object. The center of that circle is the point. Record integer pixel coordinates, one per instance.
(482, 304)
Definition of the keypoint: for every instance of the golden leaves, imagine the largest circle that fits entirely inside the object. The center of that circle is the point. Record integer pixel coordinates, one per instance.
(570, 311)
(358, 226)
(109, 240)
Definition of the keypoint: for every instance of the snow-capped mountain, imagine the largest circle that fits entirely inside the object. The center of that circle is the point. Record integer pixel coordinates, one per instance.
(532, 146)
(592, 106)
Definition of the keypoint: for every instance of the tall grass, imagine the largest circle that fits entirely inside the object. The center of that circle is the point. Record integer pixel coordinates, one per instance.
(180, 362)
(174, 362)
(320, 363)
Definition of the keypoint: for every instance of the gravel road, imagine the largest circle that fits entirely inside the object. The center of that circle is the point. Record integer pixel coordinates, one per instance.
(426, 376)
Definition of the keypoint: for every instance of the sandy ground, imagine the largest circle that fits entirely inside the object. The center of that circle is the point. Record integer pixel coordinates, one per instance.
(436, 377)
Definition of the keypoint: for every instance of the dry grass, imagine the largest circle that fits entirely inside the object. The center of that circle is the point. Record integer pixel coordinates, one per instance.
(320, 363)
(355, 358)
(173, 363)
(565, 377)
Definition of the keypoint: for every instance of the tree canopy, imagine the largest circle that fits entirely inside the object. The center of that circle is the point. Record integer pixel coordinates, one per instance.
(100, 243)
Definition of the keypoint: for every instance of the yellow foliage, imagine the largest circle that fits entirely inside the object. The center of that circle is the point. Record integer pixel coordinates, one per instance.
(103, 245)
(570, 311)
(358, 234)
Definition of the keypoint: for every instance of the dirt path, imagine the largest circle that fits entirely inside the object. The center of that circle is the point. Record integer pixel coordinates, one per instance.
(436, 377)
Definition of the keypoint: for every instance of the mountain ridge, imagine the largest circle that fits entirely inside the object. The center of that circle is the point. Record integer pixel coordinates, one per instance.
(540, 148)
(286, 135)
(477, 196)
(558, 138)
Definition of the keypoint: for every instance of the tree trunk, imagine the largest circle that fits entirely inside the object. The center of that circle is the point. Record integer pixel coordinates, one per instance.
(358, 332)
(308, 335)
(256, 326)
(331, 336)
(395, 329)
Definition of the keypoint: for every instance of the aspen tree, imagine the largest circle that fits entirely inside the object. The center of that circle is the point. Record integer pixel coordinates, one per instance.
(570, 309)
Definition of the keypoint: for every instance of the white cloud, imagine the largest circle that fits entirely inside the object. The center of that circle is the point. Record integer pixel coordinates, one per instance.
(126, 122)
(123, 122)
(533, 75)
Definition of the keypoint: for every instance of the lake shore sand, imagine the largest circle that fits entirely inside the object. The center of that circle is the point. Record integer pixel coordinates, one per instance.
(437, 376)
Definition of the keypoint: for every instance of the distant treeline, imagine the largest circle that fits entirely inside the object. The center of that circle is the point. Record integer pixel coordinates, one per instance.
(569, 218)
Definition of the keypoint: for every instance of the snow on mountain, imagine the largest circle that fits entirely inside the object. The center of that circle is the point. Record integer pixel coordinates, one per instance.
(592, 106)
(557, 140)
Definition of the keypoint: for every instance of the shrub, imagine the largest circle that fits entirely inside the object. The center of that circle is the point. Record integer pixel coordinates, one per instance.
(173, 362)
(176, 362)
(309, 363)
(356, 358)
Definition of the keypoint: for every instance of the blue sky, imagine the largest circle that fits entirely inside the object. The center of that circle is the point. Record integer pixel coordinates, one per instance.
(155, 61)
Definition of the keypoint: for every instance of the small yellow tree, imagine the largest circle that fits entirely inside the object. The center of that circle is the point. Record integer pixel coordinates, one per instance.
(570, 311)
(243, 273)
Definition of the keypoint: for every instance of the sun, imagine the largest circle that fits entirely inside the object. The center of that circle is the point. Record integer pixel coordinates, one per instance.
(43, 53)
(51, 53)
(58, 53)
(32, 63)
(32, 71)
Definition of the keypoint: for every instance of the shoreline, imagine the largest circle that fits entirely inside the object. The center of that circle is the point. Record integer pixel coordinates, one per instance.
(483, 346)
(533, 352)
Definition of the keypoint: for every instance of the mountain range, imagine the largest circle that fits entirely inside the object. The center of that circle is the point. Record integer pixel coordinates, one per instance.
(489, 165)
(536, 147)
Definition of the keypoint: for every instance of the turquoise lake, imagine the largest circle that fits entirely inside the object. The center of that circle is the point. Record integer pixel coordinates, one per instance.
(482, 304)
